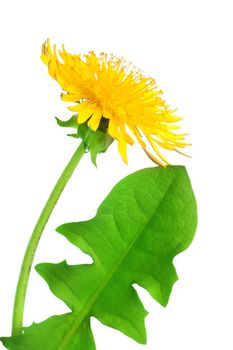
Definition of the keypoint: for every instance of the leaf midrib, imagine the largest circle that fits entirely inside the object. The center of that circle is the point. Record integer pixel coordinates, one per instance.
(87, 308)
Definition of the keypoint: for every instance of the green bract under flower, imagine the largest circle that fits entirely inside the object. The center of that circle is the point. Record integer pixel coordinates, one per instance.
(94, 141)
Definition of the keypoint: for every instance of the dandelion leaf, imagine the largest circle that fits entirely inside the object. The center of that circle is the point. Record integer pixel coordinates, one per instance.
(147, 219)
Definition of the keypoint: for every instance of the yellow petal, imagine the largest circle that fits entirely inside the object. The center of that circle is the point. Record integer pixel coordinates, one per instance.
(138, 136)
(154, 159)
(153, 144)
(166, 145)
(113, 128)
(125, 135)
(95, 120)
(122, 149)
(142, 143)
(81, 107)
(45, 59)
(183, 154)
(84, 110)
(84, 116)
(52, 68)
(71, 97)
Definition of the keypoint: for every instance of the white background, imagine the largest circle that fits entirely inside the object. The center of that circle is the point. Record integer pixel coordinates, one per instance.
(187, 46)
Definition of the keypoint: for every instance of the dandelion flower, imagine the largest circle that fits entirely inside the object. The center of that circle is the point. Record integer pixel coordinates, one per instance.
(107, 87)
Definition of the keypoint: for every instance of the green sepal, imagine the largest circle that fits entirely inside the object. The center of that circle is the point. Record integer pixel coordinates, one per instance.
(70, 123)
(95, 142)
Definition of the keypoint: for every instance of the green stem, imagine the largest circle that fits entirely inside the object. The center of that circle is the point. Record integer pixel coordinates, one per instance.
(35, 238)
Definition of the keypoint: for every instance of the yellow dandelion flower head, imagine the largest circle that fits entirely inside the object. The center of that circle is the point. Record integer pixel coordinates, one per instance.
(109, 87)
